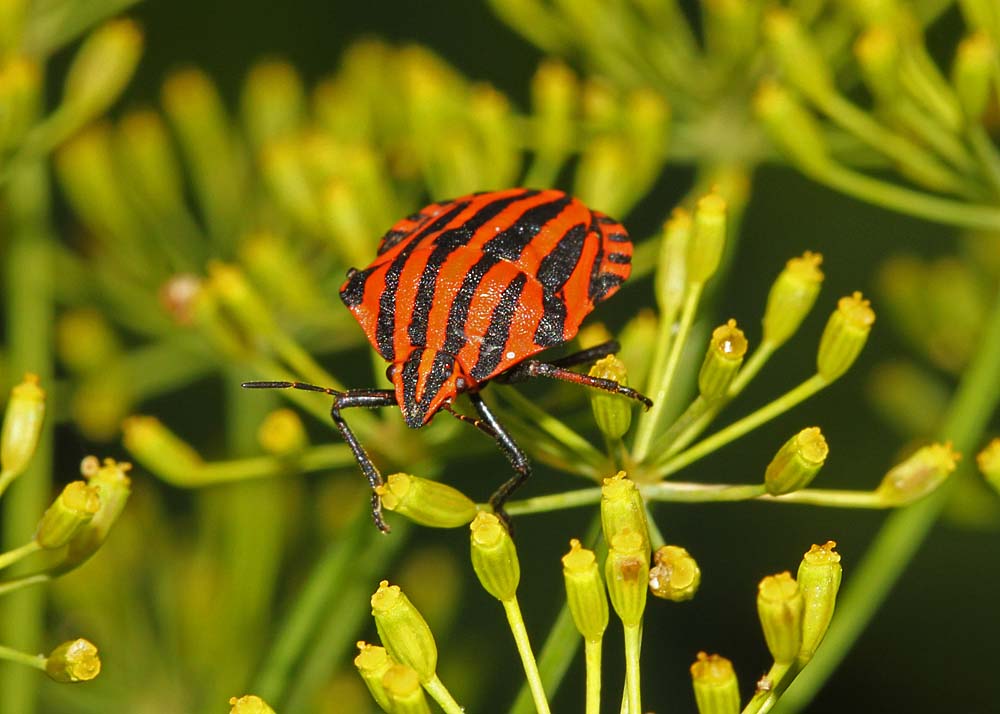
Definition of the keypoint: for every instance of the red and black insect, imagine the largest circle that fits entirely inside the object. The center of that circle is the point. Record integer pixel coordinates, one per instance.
(464, 292)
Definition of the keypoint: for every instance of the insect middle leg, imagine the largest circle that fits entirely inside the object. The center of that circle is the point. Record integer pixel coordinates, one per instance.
(517, 458)
(346, 400)
(529, 369)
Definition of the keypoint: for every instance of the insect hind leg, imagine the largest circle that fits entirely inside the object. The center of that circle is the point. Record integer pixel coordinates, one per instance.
(589, 355)
(517, 458)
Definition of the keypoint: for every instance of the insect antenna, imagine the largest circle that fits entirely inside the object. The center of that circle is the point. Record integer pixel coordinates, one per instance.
(290, 385)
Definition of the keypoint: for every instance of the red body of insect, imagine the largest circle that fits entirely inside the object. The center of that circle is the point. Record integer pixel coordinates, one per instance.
(466, 289)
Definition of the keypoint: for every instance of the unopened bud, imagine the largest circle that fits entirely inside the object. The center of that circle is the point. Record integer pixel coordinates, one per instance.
(20, 91)
(372, 663)
(403, 630)
(102, 67)
(792, 296)
(622, 509)
(430, 503)
(877, 52)
(402, 687)
(989, 463)
(113, 489)
(249, 704)
(68, 514)
(585, 594)
(797, 462)
(672, 269)
(627, 574)
(819, 580)
(599, 175)
(780, 606)
(73, 661)
(708, 238)
(554, 98)
(976, 67)
(797, 54)
(918, 475)
(722, 361)
(147, 157)
(243, 301)
(716, 690)
(22, 425)
(612, 412)
(675, 575)
(282, 433)
(161, 451)
(84, 340)
(792, 127)
(273, 100)
(844, 337)
(494, 557)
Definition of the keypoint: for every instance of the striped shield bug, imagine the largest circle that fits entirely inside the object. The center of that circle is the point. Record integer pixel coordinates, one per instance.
(465, 292)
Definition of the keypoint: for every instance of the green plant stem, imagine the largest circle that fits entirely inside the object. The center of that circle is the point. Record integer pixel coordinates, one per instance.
(29, 319)
(12, 556)
(905, 200)
(442, 696)
(633, 645)
(778, 678)
(987, 154)
(663, 380)
(748, 423)
(15, 584)
(904, 530)
(517, 629)
(556, 429)
(592, 657)
(563, 640)
(315, 458)
(12, 655)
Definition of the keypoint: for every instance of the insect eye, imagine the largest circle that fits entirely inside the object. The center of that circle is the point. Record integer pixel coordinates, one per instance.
(390, 372)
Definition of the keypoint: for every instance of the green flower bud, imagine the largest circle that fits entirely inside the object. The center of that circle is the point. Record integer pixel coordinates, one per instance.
(272, 264)
(797, 54)
(797, 462)
(494, 557)
(402, 687)
(345, 221)
(69, 513)
(989, 463)
(20, 91)
(249, 704)
(675, 575)
(146, 155)
(792, 127)
(627, 574)
(877, 52)
(372, 663)
(161, 451)
(612, 412)
(282, 433)
(975, 67)
(286, 176)
(622, 509)
(844, 337)
(819, 580)
(604, 161)
(708, 238)
(403, 631)
(917, 476)
(780, 607)
(554, 99)
(791, 297)
(493, 118)
(585, 594)
(113, 489)
(243, 302)
(430, 503)
(22, 424)
(85, 341)
(101, 68)
(672, 268)
(273, 100)
(722, 361)
(716, 690)
(73, 661)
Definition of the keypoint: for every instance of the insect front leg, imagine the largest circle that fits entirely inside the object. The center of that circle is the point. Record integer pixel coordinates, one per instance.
(517, 458)
(363, 398)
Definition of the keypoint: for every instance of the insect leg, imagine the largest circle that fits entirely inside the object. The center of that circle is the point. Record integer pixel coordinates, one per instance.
(589, 355)
(345, 400)
(530, 369)
(478, 423)
(517, 458)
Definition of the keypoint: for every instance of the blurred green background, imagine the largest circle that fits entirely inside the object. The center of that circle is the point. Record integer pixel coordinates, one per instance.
(931, 647)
